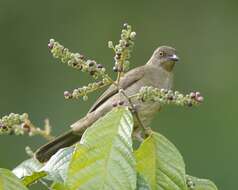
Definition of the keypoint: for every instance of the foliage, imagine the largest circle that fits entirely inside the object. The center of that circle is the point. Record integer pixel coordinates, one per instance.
(8, 181)
(160, 163)
(105, 163)
(104, 159)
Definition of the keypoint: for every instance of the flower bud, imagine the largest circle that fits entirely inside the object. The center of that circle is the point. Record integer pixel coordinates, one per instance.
(192, 95)
(117, 56)
(115, 69)
(199, 99)
(81, 56)
(125, 25)
(85, 98)
(121, 103)
(26, 127)
(67, 95)
(198, 94)
(114, 104)
(170, 97)
(50, 46)
(133, 35)
(1, 126)
(110, 44)
(99, 66)
(51, 41)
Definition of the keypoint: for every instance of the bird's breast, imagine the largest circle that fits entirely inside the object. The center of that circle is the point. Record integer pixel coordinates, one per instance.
(156, 78)
(146, 111)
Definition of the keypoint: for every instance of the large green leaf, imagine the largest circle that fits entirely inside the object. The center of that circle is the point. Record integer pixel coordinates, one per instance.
(105, 161)
(200, 184)
(58, 186)
(29, 171)
(57, 166)
(161, 164)
(27, 168)
(8, 181)
(34, 177)
(141, 184)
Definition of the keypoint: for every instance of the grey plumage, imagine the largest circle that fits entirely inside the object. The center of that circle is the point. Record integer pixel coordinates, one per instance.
(157, 73)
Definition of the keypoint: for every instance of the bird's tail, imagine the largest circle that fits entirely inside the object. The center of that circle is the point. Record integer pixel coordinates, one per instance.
(44, 153)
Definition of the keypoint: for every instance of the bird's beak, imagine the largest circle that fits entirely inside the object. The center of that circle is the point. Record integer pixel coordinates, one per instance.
(174, 57)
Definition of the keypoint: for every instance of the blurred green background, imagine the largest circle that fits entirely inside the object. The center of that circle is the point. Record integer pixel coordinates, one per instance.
(203, 32)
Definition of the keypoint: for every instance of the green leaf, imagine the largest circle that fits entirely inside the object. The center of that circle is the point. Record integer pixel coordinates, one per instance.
(58, 164)
(28, 180)
(29, 171)
(27, 168)
(8, 181)
(194, 183)
(141, 184)
(58, 186)
(105, 161)
(161, 164)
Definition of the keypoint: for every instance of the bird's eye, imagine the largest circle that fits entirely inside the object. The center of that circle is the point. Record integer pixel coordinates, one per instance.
(161, 53)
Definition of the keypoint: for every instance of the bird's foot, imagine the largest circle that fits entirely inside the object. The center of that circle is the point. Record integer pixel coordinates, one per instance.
(148, 131)
(137, 134)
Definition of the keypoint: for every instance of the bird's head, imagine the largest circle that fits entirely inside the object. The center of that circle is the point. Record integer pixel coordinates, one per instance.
(165, 57)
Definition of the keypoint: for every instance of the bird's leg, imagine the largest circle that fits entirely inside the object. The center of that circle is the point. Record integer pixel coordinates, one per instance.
(134, 111)
(137, 134)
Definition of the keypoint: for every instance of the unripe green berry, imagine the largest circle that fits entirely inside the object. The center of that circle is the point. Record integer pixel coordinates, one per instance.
(133, 35)
(125, 25)
(85, 98)
(110, 44)
(115, 69)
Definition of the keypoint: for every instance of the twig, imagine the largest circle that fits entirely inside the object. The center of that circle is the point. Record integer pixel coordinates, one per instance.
(118, 77)
(20, 124)
(46, 133)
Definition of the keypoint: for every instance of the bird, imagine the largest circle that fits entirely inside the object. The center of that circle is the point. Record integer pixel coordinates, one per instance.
(157, 72)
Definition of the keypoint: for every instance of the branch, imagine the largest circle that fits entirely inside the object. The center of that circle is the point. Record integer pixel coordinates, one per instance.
(77, 61)
(20, 124)
(123, 51)
(165, 96)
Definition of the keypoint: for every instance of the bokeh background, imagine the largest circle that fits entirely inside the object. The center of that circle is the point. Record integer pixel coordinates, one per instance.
(204, 33)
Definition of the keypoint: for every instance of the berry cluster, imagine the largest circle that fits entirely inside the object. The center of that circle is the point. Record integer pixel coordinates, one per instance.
(14, 123)
(83, 91)
(122, 55)
(190, 183)
(76, 60)
(20, 124)
(165, 96)
(117, 103)
(123, 49)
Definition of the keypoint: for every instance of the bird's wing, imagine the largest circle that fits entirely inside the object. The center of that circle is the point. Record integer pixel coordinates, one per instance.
(127, 80)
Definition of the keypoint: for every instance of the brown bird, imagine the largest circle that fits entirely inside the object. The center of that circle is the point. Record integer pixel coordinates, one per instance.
(157, 72)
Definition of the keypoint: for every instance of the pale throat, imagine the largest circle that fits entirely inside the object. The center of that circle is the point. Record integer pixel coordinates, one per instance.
(168, 65)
